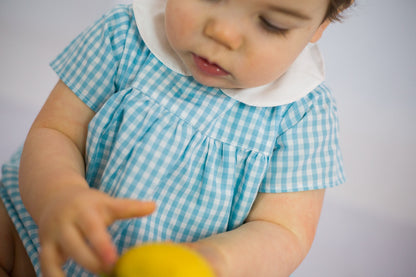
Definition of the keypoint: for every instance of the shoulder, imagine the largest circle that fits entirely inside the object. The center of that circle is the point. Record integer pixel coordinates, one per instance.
(320, 98)
(116, 23)
(120, 13)
(320, 102)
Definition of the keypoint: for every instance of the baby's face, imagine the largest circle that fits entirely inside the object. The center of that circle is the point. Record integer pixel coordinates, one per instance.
(241, 43)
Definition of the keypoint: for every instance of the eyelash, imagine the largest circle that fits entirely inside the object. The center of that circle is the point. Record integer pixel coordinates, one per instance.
(267, 26)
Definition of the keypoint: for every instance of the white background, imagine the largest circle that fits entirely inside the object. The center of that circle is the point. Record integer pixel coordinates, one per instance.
(368, 225)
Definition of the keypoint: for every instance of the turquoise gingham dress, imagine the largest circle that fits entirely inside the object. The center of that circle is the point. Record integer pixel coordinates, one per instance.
(158, 135)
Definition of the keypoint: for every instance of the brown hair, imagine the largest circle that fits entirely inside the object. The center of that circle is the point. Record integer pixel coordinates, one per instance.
(336, 7)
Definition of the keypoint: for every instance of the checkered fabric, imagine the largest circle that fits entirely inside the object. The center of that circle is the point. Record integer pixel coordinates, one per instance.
(201, 155)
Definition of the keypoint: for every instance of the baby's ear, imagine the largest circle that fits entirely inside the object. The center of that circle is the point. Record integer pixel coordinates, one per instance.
(320, 31)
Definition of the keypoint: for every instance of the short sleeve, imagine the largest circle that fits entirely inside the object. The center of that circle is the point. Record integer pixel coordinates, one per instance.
(89, 64)
(307, 153)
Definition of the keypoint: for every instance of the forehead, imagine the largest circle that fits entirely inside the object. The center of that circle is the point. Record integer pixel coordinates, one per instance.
(305, 6)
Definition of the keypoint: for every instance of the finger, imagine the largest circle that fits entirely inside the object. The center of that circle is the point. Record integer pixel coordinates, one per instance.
(95, 230)
(129, 208)
(77, 248)
(51, 261)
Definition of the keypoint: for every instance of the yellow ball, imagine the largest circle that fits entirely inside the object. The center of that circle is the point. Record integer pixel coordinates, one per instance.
(162, 260)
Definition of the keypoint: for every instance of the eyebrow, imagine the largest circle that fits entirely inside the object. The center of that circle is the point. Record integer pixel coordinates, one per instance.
(290, 12)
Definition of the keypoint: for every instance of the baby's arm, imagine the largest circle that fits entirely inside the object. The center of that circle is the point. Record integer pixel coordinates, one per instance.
(276, 237)
(72, 218)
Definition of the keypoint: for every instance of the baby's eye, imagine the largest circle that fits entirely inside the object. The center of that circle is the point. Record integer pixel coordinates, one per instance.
(270, 27)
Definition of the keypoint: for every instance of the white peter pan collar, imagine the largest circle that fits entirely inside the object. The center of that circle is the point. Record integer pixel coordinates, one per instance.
(306, 73)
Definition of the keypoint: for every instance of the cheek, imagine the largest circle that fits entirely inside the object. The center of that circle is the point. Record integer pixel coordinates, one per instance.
(265, 67)
(179, 25)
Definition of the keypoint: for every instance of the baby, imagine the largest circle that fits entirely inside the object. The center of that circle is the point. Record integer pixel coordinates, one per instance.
(203, 122)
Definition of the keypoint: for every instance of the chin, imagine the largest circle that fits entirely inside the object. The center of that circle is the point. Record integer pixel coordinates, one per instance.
(214, 82)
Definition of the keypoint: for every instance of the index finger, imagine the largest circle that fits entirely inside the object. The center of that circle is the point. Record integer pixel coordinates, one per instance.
(123, 208)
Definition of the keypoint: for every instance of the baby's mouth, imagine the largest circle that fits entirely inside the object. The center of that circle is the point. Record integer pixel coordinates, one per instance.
(209, 68)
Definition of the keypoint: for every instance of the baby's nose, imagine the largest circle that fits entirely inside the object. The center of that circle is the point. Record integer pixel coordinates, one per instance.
(225, 32)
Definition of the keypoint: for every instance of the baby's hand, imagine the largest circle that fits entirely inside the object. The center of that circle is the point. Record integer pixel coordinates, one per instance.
(75, 226)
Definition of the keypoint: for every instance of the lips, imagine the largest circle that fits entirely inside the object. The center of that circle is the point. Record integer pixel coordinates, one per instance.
(209, 68)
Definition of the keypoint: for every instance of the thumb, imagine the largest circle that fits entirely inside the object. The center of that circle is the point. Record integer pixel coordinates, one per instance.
(123, 208)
